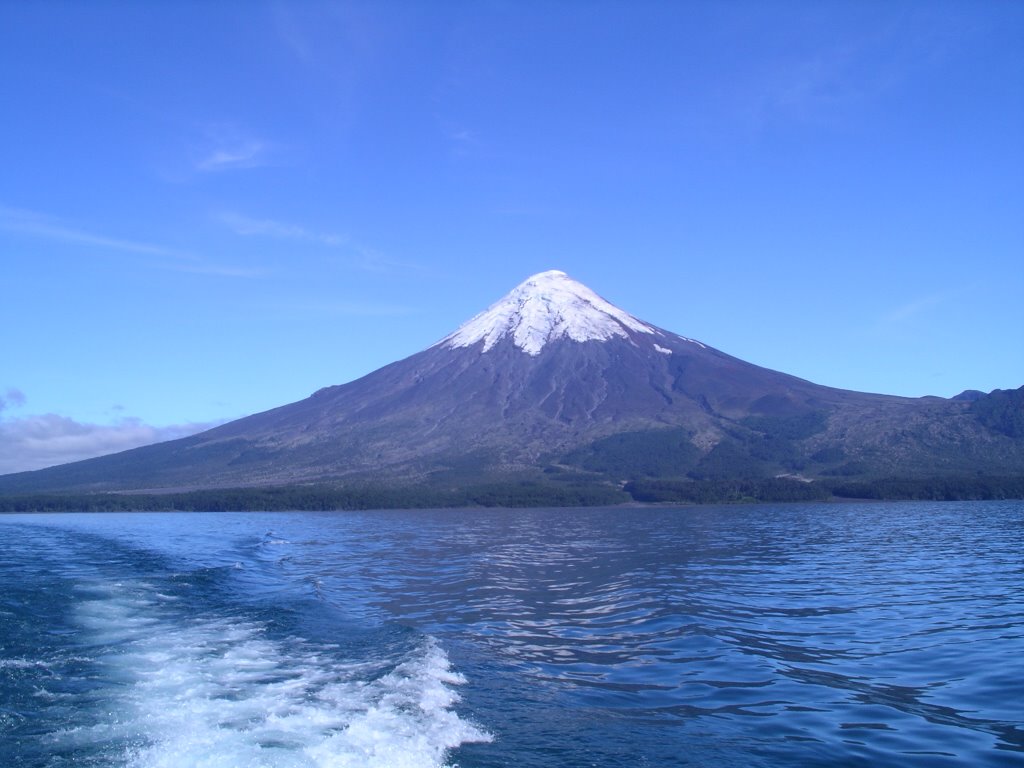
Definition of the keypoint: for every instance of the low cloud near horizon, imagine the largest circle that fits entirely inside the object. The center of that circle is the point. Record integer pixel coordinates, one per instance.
(36, 442)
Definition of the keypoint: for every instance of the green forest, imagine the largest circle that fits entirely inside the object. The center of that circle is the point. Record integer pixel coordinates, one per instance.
(568, 492)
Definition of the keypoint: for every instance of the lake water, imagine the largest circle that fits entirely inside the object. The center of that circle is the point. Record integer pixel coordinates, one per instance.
(803, 635)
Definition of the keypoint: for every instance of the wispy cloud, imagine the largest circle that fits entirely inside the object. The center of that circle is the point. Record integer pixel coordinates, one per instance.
(43, 226)
(369, 260)
(355, 254)
(216, 270)
(851, 68)
(354, 309)
(461, 140)
(35, 442)
(904, 320)
(40, 225)
(837, 79)
(291, 33)
(239, 155)
(227, 146)
(913, 308)
(245, 225)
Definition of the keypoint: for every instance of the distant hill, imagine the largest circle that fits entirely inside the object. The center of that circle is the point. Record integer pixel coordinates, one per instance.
(970, 395)
(556, 391)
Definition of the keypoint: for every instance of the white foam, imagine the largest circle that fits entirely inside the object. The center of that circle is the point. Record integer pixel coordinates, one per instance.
(218, 693)
(22, 664)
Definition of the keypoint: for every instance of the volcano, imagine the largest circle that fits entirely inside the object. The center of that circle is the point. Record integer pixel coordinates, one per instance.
(554, 381)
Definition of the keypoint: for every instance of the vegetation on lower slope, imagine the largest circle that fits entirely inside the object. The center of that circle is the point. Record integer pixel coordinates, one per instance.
(726, 491)
(523, 492)
(649, 453)
(934, 489)
(508, 493)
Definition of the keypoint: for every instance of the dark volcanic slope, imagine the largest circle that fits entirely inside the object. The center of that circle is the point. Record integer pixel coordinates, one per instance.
(540, 379)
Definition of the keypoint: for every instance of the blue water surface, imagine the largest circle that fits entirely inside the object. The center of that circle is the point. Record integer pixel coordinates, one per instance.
(789, 635)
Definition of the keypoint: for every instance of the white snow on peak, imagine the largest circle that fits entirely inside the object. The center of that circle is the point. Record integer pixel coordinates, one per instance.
(663, 350)
(543, 308)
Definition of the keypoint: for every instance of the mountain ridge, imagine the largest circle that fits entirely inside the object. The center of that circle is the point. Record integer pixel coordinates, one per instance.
(551, 381)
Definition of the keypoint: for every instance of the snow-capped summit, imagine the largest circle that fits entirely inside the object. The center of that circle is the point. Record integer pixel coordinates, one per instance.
(548, 306)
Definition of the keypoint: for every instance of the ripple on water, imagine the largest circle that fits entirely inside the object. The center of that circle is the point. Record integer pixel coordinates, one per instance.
(862, 635)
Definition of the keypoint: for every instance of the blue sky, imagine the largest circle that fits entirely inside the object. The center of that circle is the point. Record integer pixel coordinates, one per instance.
(211, 209)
